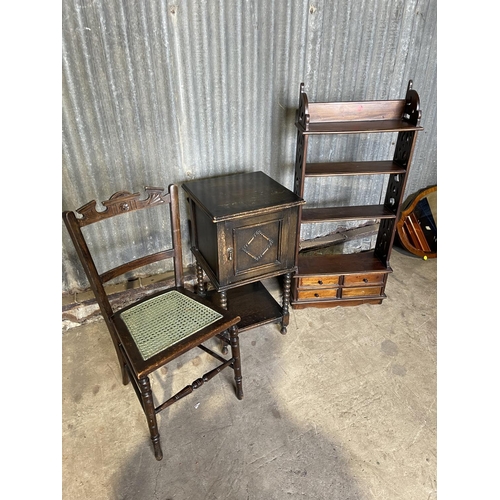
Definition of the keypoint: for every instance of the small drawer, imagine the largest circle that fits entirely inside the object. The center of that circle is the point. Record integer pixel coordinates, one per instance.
(362, 291)
(319, 281)
(363, 279)
(319, 293)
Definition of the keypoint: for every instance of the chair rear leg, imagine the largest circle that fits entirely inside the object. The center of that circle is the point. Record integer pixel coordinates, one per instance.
(123, 365)
(235, 351)
(149, 410)
(118, 349)
(125, 376)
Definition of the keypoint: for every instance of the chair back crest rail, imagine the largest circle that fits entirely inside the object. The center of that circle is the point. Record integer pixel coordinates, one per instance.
(124, 202)
(120, 203)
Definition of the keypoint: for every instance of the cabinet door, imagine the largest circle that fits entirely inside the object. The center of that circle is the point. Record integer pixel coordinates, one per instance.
(259, 245)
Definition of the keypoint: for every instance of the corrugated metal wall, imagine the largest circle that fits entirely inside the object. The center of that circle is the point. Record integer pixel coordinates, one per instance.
(156, 92)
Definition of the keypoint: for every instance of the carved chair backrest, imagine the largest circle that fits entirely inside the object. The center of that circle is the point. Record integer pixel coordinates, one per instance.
(118, 206)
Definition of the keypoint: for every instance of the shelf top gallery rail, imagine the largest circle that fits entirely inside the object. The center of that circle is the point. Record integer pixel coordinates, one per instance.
(359, 116)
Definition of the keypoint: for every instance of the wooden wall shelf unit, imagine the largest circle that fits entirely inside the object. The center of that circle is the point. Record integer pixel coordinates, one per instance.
(352, 279)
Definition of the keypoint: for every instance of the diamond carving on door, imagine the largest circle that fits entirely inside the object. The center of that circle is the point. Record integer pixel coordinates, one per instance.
(254, 243)
(257, 245)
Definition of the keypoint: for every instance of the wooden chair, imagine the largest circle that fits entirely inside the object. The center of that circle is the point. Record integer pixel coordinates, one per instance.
(158, 328)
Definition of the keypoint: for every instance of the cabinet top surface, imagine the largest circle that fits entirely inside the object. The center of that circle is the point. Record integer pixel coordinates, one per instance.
(235, 195)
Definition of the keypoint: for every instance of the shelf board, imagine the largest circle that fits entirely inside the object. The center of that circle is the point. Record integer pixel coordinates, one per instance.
(315, 215)
(317, 265)
(358, 127)
(253, 303)
(353, 168)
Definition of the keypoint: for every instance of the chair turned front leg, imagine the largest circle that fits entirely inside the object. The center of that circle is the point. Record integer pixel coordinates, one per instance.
(149, 410)
(286, 301)
(235, 352)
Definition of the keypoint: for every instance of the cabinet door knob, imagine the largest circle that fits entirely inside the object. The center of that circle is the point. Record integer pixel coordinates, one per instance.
(229, 254)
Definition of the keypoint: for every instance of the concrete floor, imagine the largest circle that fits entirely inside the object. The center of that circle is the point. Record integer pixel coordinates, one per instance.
(342, 407)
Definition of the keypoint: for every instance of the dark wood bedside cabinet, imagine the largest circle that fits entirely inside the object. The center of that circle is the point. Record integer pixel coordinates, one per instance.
(243, 230)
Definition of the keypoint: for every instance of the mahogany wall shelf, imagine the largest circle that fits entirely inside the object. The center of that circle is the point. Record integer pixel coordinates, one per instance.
(352, 279)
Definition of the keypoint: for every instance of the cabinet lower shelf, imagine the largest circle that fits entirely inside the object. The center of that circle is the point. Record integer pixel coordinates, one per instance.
(253, 303)
(330, 280)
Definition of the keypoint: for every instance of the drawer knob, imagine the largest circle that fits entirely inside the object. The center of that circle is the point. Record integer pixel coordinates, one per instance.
(320, 282)
(316, 294)
(365, 280)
